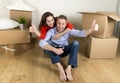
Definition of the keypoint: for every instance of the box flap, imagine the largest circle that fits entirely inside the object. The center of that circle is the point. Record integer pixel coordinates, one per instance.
(91, 13)
(107, 13)
(112, 15)
(100, 12)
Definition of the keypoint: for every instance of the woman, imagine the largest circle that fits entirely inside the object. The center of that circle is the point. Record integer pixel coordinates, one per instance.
(47, 22)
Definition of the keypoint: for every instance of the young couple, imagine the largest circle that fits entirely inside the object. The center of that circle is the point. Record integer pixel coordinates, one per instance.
(54, 34)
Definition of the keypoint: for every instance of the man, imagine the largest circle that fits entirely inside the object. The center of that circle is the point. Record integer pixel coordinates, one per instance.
(60, 47)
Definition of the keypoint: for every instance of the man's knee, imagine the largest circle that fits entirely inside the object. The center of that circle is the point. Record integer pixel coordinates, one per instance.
(75, 43)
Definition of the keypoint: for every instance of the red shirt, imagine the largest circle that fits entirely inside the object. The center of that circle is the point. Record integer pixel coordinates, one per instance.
(44, 30)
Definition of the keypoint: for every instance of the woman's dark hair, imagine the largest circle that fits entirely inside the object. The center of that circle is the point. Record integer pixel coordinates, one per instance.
(43, 19)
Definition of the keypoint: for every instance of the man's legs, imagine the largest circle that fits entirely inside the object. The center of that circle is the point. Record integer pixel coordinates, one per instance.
(68, 73)
(71, 49)
(56, 60)
(74, 46)
(61, 71)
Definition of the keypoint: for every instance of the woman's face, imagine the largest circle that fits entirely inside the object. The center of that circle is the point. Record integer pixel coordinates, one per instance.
(50, 21)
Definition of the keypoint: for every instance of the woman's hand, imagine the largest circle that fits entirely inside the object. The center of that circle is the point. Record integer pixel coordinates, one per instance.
(57, 36)
(32, 28)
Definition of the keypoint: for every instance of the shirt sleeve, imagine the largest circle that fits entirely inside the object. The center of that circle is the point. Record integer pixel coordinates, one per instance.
(78, 33)
(43, 42)
(69, 26)
(43, 32)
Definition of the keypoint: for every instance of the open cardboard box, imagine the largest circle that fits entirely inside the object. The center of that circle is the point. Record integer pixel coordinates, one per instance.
(16, 36)
(15, 14)
(15, 41)
(105, 20)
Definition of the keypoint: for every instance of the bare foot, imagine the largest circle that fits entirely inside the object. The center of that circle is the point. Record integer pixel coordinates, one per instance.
(62, 75)
(62, 72)
(68, 74)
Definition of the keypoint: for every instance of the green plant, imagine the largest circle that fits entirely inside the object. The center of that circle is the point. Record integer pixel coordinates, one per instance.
(22, 20)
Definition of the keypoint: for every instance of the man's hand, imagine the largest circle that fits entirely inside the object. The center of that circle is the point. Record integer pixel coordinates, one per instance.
(59, 51)
(93, 26)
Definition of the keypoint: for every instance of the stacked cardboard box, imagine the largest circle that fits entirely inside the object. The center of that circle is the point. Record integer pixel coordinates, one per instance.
(16, 41)
(14, 36)
(101, 44)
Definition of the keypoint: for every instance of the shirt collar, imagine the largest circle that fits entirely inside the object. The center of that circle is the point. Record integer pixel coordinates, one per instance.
(56, 31)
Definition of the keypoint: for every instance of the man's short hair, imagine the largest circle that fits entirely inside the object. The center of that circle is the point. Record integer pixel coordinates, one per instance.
(62, 17)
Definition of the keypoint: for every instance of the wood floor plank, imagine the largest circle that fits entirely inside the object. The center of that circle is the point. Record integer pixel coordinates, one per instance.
(34, 66)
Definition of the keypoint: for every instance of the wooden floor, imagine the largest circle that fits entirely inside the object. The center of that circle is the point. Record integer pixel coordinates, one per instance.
(35, 67)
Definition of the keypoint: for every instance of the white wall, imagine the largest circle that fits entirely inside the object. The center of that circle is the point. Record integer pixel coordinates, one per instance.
(66, 7)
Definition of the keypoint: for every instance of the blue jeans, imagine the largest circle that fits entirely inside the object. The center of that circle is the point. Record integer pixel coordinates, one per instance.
(71, 49)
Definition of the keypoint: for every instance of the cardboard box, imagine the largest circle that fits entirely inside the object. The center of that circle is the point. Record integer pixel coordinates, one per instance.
(14, 36)
(15, 41)
(16, 49)
(15, 14)
(102, 48)
(2, 51)
(105, 20)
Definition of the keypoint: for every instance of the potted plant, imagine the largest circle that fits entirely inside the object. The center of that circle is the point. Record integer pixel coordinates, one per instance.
(22, 21)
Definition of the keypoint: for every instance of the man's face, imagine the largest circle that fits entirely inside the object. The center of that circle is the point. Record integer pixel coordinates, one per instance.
(61, 24)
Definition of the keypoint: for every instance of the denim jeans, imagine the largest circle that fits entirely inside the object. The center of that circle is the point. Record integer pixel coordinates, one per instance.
(71, 49)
